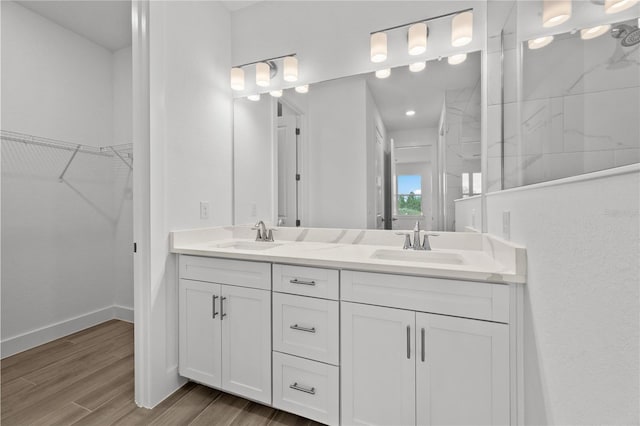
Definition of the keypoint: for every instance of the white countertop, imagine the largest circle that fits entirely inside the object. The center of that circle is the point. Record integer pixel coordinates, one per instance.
(466, 256)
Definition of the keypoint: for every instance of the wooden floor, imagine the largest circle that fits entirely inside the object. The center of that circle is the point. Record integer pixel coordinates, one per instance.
(87, 379)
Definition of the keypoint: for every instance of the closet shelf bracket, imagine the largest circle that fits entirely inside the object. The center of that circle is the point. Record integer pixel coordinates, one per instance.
(121, 157)
(61, 178)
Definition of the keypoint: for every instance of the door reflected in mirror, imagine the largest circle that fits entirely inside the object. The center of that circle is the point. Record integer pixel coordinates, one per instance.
(362, 152)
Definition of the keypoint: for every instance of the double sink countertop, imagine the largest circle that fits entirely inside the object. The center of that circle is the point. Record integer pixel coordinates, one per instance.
(455, 255)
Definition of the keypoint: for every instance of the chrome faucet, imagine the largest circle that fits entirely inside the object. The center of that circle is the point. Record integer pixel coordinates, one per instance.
(263, 233)
(416, 237)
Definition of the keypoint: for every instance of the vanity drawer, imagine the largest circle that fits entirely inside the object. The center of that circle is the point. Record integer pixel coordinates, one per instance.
(314, 282)
(485, 301)
(226, 271)
(307, 388)
(306, 327)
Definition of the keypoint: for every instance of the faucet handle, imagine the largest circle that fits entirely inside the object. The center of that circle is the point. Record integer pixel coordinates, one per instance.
(425, 242)
(407, 240)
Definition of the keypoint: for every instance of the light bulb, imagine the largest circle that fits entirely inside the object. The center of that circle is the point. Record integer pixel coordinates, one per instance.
(237, 79)
(555, 12)
(457, 59)
(276, 93)
(410, 113)
(290, 72)
(302, 89)
(593, 32)
(263, 74)
(417, 66)
(383, 73)
(254, 98)
(417, 39)
(615, 6)
(378, 47)
(462, 29)
(539, 42)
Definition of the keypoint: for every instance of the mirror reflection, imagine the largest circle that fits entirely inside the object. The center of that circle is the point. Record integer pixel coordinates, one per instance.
(362, 151)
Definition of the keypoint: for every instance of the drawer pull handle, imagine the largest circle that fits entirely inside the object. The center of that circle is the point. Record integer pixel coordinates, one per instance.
(297, 387)
(423, 350)
(213, 303)
(300, 328)
(408, 342)
(297, 281)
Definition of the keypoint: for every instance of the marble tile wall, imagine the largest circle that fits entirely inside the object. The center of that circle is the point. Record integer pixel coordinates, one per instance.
(579, 109)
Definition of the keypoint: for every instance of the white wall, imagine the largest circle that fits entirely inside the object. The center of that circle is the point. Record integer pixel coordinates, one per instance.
(253, 145)
(337, 169)
(123, 178)
(468, 213)
(190, 161)
(581, 298)
(58, 238)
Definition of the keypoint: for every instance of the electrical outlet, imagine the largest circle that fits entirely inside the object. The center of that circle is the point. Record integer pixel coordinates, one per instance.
(204, 210)
(506, 225)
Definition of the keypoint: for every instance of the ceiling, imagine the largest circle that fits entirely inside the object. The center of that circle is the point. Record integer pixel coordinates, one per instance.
(106, 23)
(424, 92)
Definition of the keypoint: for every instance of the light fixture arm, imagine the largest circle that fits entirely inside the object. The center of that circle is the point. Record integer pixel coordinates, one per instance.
(265, 60)
(434, 18)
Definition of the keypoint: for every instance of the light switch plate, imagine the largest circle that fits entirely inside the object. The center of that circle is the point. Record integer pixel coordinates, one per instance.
(204, 210)
(506, 225)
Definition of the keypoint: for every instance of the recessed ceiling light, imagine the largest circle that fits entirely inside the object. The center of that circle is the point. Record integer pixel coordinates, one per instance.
(417, 66)
(254, 98)
(539, 42)
(276, 93)
(457, 59)
(410, 113)
(383, 73)
(302, 89)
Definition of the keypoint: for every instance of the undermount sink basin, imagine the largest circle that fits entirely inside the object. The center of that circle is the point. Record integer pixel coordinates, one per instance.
(249, 245)
(419, 256)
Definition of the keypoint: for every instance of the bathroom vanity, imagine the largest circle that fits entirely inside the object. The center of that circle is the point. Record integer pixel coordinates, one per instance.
(346, 327)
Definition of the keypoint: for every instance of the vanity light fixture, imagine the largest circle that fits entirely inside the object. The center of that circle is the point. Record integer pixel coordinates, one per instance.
(457, 59)
(615, 6)
(263, 74)
(383, 73)
(410, 113)
(539, 42)
(555, 12)
(378, 47)
(418, 32)
(593, 32)
(237, 79)
(276, 93)
(417, 66)
(266, 69)
(254, 98)
(462, 29)
(290, 72)
(302, 89)
(417, 39)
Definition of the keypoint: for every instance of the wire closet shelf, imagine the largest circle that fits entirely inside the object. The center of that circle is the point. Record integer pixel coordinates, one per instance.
(122, 151)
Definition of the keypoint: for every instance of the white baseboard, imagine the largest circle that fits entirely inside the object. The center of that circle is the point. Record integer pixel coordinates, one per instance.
(31, 339)
(123, 313)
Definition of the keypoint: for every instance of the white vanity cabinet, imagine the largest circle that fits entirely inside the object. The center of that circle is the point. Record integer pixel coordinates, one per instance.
(405, 367)
(225, 329)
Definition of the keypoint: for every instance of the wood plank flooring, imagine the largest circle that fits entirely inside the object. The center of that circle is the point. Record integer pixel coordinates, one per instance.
(87, 379)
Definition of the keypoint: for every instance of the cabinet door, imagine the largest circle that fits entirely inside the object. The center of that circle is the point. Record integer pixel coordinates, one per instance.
(463, 376)
(246, 342)
(200, 354)
(378, 365)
